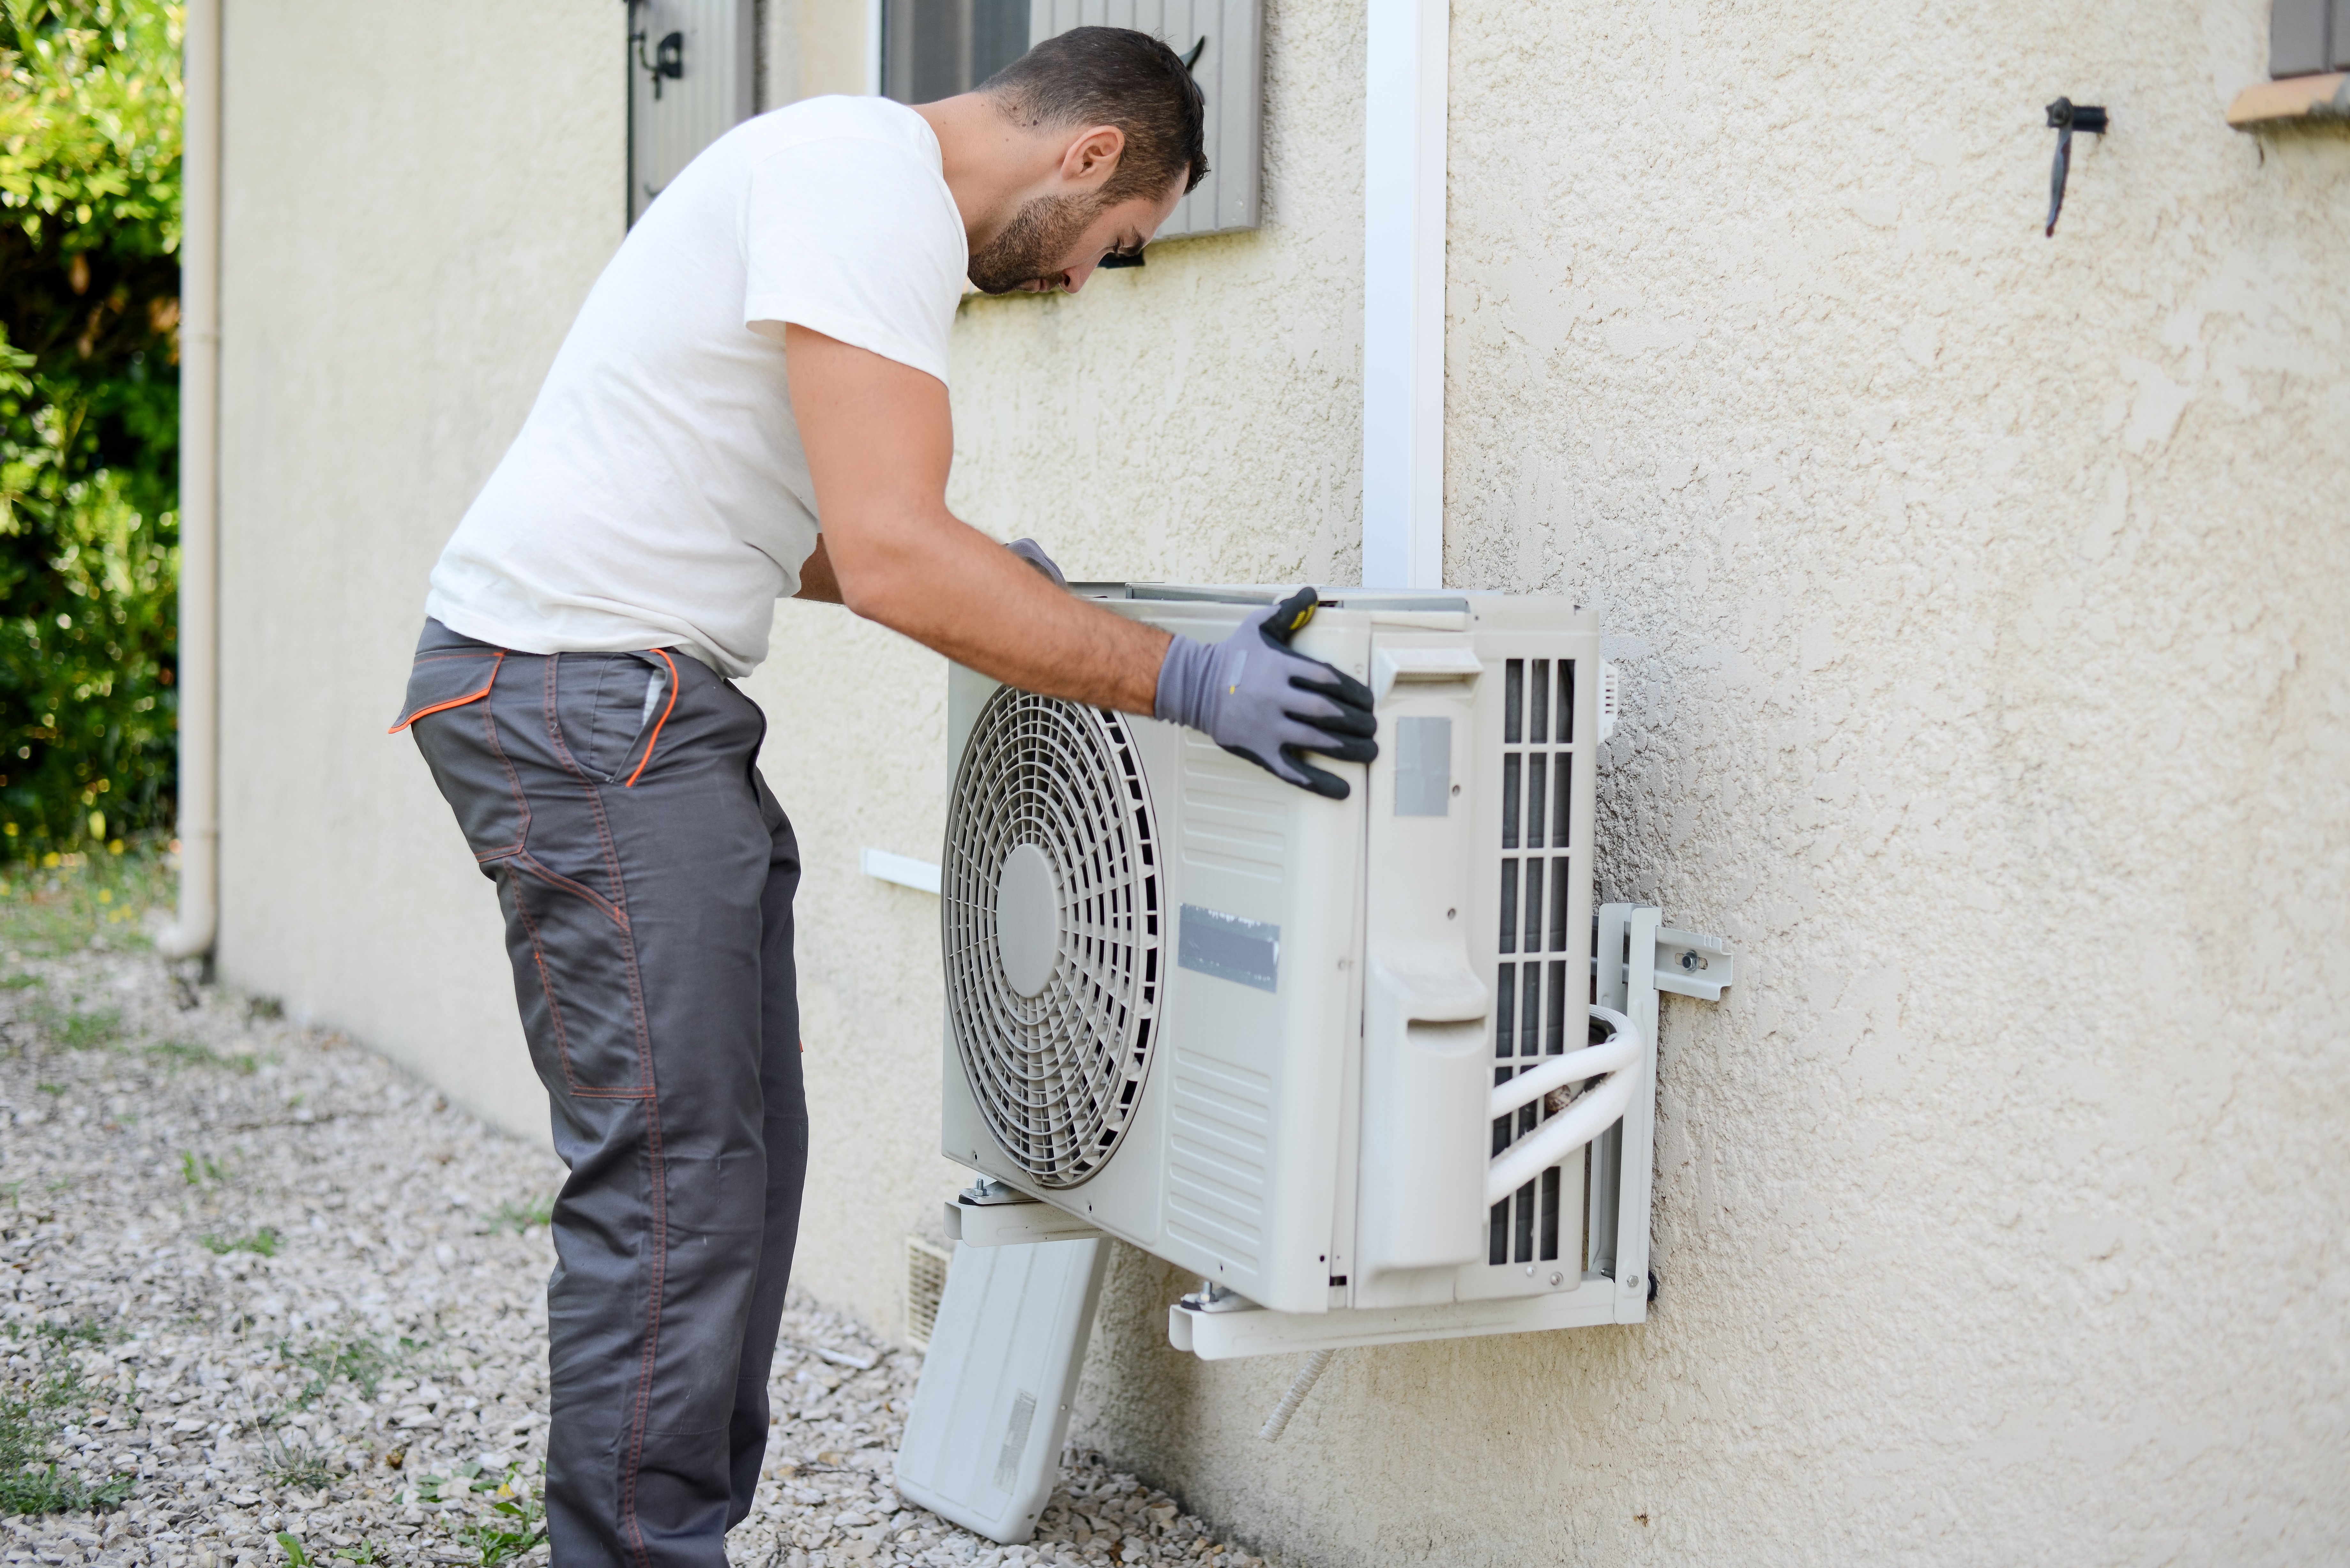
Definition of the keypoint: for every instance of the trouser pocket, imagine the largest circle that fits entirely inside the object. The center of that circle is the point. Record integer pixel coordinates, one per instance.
(611, 708)
(448, 711)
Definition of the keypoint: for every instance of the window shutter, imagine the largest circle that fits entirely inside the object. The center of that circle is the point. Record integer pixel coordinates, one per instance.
(691, 79)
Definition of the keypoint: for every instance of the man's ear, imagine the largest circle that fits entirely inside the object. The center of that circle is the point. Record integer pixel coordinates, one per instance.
(1093, 155)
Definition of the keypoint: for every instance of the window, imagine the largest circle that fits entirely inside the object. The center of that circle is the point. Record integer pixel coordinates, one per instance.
(936, 49)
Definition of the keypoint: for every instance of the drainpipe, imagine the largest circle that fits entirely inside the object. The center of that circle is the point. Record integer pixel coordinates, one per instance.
(1403, 294)
(199, 677)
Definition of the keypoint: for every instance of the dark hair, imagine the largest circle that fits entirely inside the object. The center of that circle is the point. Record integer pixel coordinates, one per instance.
(1114, 76)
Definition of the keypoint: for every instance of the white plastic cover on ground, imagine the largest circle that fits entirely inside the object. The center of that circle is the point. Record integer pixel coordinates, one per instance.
(983, 1444)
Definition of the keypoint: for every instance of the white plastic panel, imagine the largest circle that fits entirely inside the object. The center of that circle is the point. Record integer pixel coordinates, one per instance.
(709, 44)
(1230, 72)
(983, 1444)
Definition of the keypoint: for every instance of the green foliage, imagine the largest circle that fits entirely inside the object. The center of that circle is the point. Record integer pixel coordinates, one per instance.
(77, 1030)
(519, 1216)
(357, 1359)
(90, 310)
(34, 1404)
(297, 1465)
(518, 1523)
(263, 1241)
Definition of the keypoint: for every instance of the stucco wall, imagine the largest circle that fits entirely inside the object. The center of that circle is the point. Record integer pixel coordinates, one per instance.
(412, 211)
(1977, 595)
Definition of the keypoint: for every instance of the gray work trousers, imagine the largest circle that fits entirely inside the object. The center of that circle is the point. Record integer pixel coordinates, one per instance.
(646, 873)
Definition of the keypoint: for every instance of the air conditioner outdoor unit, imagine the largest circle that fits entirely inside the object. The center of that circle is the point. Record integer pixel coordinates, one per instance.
(1271, 1037)
(1326, 1055)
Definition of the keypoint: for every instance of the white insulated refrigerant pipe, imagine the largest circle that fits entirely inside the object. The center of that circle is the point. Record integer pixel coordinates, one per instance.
(198, 674)
(1584, 1118)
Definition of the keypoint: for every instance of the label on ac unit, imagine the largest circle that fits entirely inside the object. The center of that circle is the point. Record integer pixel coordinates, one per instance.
(1247, 953)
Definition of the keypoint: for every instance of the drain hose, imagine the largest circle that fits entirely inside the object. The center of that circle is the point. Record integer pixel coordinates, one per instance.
(1299, 1387)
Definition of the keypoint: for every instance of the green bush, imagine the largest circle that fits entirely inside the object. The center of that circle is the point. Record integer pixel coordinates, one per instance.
(89, 280)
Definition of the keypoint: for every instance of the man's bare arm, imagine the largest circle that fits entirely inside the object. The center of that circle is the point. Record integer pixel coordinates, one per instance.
(880, 441)
(817, 585)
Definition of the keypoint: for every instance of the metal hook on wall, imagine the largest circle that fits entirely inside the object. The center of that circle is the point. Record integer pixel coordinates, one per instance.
(2065, 117)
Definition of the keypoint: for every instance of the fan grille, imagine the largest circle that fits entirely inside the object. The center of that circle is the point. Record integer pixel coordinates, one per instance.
(1058, 1076)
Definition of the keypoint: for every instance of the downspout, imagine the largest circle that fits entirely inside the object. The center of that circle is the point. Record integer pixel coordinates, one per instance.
(199, 675)
(1403, 293)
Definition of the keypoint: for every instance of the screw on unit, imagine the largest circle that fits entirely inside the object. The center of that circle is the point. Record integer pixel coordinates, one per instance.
(2065, 118)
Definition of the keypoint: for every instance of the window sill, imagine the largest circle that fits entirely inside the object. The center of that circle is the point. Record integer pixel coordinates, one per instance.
(2296, 99)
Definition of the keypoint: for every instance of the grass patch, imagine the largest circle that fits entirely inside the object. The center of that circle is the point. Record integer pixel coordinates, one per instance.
(79, 1031)
(199, 1169)
(358, 1360)
(297, 1465)
(517, 1519)
(80, 1331)
(188, 1054)
(56, 904)
(517, 1522)
(33, 1409)
(263, 1241)
(521, 1217)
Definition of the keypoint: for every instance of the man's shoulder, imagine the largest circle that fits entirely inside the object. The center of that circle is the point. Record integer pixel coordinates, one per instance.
(835, 118)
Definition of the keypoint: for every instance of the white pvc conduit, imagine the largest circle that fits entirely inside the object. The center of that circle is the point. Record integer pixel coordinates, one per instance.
(1404, 124)
(199, 675)
(1618, 1056)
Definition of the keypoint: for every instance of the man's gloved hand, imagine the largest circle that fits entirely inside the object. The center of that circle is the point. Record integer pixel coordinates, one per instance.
(1257, 700)
(1034, 553)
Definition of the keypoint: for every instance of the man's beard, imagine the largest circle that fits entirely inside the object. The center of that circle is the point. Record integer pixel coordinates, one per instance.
(1034, 244)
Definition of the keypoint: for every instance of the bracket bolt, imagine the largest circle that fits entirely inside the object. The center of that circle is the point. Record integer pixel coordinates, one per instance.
(1556, 1278)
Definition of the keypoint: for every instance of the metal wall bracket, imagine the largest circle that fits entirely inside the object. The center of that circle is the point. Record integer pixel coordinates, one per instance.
(990, 1214)
(1687, 964)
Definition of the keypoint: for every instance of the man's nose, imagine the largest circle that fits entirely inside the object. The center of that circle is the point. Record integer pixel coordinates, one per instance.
(1077, 277)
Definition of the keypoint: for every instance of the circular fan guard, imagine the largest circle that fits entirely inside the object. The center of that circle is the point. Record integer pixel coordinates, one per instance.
(1058, 1076)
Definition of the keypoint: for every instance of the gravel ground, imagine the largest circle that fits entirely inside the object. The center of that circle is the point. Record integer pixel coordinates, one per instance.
(266, 1298)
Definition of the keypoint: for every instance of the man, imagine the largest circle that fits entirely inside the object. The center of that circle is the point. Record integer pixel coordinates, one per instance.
(768, 348)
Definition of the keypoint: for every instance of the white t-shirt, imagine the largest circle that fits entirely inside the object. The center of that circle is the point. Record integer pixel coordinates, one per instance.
(658, 496)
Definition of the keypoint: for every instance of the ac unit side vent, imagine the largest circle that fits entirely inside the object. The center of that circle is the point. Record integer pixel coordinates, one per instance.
(926, 1287)
(1534, 999)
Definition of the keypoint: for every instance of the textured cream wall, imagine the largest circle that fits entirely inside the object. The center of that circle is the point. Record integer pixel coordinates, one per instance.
(1978, 599)
(413, 209)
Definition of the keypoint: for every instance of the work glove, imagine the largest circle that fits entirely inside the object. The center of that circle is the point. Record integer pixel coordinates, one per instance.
(1034, 553)
(1258, 700)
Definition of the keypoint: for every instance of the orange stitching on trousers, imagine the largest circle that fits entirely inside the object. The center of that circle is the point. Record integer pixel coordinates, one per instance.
(655, 741)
